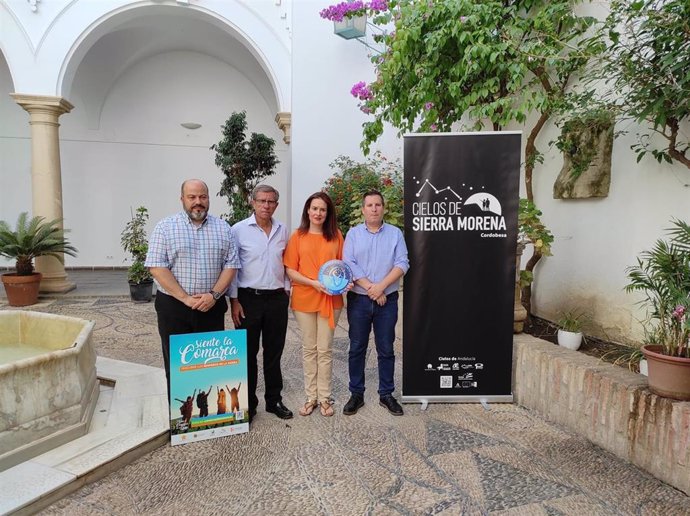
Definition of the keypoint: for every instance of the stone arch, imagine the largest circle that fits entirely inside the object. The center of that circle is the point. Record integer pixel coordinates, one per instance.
(238, 24)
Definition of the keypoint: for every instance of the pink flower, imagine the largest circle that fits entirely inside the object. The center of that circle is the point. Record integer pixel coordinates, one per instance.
(378, 5)
(679, 312)
(428, 106)
(433, 128)
(361, 91)
(343, 10)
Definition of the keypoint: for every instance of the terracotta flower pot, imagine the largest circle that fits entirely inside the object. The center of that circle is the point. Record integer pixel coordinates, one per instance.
(22, 290)
(668, 376)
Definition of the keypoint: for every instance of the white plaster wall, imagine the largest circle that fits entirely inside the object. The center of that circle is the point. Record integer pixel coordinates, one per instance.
(15, 155)
(140, 154)
(596, 239)
(122, 145)
(326, 121)
(61, 31)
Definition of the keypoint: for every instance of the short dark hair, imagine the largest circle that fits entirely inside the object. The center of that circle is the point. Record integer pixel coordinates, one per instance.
(370, 193)
(330, 225)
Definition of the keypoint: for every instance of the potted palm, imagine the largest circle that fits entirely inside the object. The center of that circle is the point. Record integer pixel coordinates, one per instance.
(134, 241)
(663, 276)
(570, 330)
(30, 238)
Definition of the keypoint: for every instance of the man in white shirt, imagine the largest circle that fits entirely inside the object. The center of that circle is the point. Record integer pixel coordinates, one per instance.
(259, 296)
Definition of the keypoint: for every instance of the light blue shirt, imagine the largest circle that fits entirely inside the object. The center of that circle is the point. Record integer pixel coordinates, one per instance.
(196, 255)
(373, 255)
(261, 256)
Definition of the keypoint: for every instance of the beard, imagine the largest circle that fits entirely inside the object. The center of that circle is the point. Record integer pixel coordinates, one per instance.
(197, 215)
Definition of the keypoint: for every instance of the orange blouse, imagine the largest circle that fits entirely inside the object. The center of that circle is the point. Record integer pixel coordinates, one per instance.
(306, 253)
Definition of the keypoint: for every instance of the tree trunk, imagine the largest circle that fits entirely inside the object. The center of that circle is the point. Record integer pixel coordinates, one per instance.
(531, 153)
(527, 291)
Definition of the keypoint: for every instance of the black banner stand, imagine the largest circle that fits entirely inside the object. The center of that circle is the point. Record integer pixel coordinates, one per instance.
(461, 205)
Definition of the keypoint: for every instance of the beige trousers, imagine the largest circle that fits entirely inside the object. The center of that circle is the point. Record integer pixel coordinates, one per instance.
(317, 354)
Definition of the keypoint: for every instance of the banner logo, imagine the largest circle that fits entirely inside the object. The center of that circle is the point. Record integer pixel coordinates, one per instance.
(451, 209)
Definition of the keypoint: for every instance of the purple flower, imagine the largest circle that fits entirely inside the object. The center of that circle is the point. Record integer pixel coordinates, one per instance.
(679, 312)
(378, 5)
(428, 106)
(343, 10)
(433, 128)
(365, 109)
(361, 91)
(463, 19)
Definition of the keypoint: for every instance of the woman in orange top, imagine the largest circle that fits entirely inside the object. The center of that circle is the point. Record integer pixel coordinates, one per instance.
(316, 241)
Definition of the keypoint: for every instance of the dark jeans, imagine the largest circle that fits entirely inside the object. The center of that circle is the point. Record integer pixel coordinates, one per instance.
(176, 318)
(362, 314)
(266, 318)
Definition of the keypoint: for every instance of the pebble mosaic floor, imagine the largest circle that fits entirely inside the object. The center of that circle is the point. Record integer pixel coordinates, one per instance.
(451, 459)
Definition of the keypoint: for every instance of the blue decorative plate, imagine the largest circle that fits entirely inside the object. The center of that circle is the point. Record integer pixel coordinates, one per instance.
(335, 275)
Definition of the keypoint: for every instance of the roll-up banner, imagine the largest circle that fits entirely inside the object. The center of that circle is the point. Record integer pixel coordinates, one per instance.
(461, 205)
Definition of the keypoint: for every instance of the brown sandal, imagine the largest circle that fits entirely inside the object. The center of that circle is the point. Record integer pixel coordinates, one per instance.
(308, 408)
(326, 408)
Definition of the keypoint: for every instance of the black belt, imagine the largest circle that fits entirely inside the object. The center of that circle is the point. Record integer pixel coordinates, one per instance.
(261, 292)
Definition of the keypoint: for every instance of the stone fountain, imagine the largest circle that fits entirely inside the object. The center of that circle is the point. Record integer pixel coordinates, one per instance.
(48, 383)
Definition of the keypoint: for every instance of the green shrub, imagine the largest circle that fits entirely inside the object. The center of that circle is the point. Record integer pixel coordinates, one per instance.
(352, 180)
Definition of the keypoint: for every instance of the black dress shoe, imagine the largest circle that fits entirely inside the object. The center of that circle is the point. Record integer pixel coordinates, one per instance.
(355, 403)
(279, 410)
(391, 404)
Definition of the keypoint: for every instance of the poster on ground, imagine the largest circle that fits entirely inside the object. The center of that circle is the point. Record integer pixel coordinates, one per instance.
(208, 385)
(461, 205)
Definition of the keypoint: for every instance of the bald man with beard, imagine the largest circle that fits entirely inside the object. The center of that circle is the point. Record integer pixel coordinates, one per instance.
(193, 258)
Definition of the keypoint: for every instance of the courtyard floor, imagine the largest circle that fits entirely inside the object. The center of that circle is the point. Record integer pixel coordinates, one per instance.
(448, 459)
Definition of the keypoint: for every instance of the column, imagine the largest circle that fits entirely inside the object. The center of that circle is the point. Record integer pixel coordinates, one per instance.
(46, 179)
(284, 121)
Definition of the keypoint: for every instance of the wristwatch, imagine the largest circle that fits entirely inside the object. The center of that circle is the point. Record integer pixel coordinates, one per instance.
(216, 295)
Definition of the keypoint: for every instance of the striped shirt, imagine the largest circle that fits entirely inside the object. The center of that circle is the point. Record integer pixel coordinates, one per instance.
(196, 255)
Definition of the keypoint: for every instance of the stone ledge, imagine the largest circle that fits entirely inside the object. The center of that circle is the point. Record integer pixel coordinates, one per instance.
(133, 420)
(607, 404)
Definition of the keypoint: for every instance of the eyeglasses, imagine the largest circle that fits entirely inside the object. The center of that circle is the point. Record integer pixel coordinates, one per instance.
(265, 202)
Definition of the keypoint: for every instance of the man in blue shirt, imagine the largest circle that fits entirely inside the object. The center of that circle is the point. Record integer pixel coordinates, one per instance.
(259, 296)
(193, 258)
(377, 254)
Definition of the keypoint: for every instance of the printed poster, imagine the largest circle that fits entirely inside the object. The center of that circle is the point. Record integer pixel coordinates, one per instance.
(208, 385)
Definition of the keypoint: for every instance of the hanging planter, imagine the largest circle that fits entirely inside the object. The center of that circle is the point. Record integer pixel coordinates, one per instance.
(349, 28)
(349, 18)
